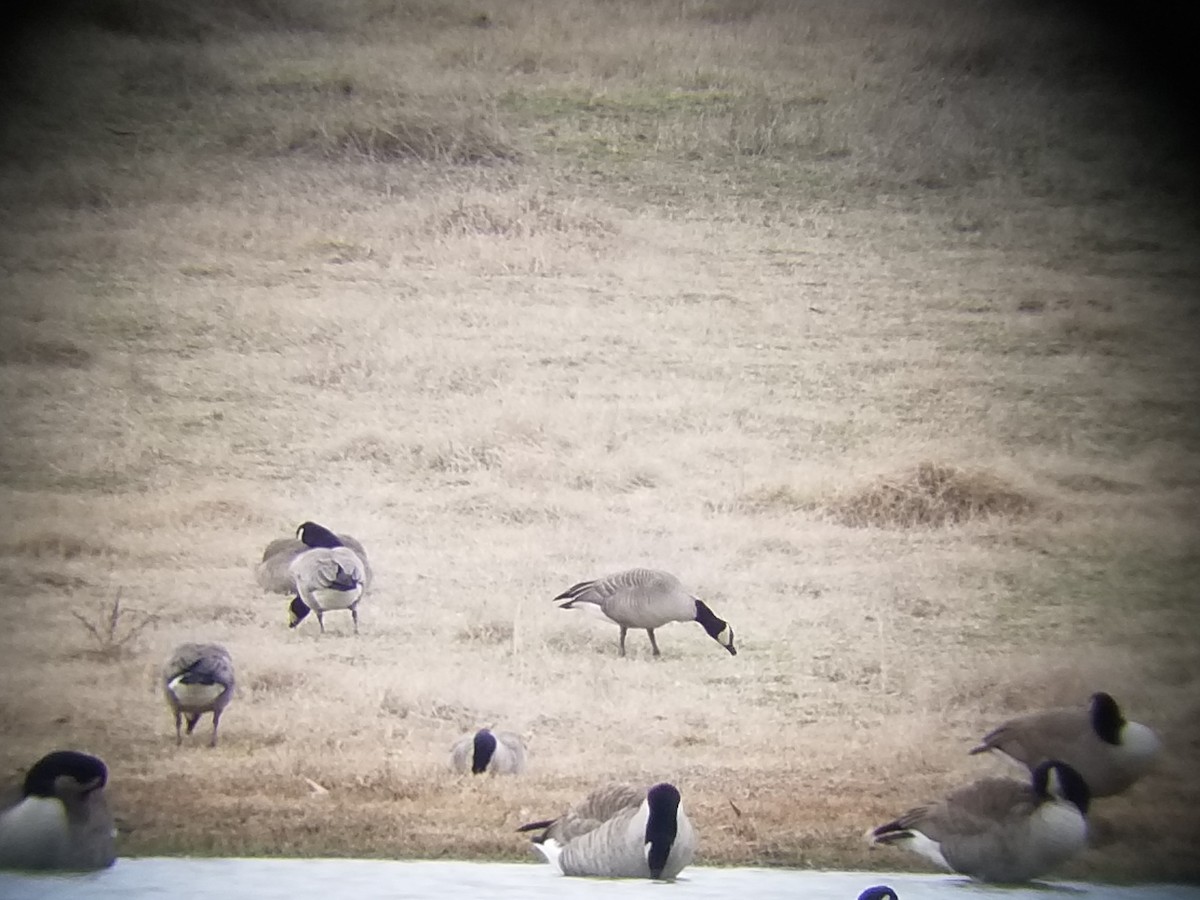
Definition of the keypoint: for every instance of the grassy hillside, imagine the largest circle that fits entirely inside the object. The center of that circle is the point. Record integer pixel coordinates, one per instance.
(873, 322)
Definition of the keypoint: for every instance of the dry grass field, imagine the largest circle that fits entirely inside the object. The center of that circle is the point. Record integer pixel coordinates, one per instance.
(873, 322)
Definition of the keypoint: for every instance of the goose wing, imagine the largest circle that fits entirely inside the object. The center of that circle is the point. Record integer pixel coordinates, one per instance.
(637, 598)
(612, 849)
(201, 664)
(509, 758)
(1034, 738)
(320, 568)
(589, 814)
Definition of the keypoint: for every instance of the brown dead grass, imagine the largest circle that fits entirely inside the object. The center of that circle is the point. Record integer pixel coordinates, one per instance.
(522, 299)
(930, 495)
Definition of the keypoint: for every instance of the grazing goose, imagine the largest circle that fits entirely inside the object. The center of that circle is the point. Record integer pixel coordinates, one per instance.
(1110, 752)
(645, 598)
(878, 892)
(620, 831)
(198, 679)
(61, 820)
(326, 578)
(997, 829)
(497, 752)
(273, 573)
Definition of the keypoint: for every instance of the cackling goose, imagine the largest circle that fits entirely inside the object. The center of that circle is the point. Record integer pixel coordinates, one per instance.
(645, 598)
(198, 679)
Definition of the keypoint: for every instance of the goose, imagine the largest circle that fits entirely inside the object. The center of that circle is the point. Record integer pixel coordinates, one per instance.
(198, 678)
(326, 578)
(273, 573)
(1110, 752)
(496, 752)
(645, 598)
(878, 892)
(620, 831)
(998, 829)
(61, 819)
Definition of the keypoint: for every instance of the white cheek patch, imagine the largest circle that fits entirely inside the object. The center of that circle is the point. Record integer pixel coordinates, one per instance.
(724, 637)
(195, 694)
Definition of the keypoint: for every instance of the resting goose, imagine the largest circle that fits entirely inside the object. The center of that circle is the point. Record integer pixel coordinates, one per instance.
(1110, 752)
(61, 819)
(620, 831)
(644, 598)
(997, 829)
(495, 752)
(198, 679)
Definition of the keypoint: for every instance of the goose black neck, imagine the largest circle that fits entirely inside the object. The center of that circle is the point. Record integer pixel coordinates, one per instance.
(1107, 720)
(314, 535)
(297, 611)
(1055, 780)
(485, 746)
(712, 623)
(662, 826)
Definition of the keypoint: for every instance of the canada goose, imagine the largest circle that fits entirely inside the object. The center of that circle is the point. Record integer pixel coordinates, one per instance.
(998, 829)
(878, 892)
(326, 578)
(645, 598)
(198, 678)
(61, 819)
(620, 831)
(273, 573)
(497, 752)
(1110, 752)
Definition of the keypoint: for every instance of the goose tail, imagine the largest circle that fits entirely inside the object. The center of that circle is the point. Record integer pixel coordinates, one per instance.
(550, 850)
(543, 825)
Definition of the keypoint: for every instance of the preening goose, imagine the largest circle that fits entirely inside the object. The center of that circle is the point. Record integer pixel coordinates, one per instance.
(1110, 752)
(61, 819)
(198, 679)
(496, 752)
(644, 598)
(997, 829)
(619, 831)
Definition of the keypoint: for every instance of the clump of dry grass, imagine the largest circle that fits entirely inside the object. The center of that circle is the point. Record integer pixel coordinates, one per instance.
(415, 136)
(930, 494)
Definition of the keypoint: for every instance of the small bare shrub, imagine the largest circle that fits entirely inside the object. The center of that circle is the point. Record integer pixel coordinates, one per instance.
(932, 494)
(113, 629)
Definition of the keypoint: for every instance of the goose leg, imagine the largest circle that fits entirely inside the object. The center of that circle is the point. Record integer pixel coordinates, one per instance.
(354, 615)
(623, 631)
(191, 722)
(653, 643)
(178, 728)
(216, 719)
(321, 620)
